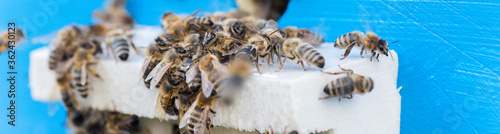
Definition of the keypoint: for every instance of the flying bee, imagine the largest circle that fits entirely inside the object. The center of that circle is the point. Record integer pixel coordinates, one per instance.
(6, 36)
(213, 75)
(64, 46)
(307, 36)
(118, 42)
(295, 48)
(81, 62)
(115, 15)
(371, 42)
(196, 117)
(121, 123)
(350, 84)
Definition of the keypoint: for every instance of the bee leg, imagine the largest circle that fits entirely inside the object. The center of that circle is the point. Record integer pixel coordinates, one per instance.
(361, 53)
(93, 73)
(272, 131)
(325, 97)
(340, 98)
(377, 57)
(212, 111)
(348, 50)
(302, 63)
(349, 71)
(350, 97)
(282, 64)
(373, 54)
(268, 60)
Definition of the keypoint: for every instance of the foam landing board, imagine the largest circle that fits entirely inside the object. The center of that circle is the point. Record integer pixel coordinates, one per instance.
(277, 100)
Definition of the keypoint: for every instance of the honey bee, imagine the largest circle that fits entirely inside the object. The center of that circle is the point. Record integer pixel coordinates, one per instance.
(83, 59)
(170, 61)
(307, 36)
(350, 84)
(260, 23)
(5, 38)
(222, 42)
(115, 15)
(185, 26)
(121, 123)
(235, 28)
(169, 91)
(97, 30)
(192, 44)
(118, 42)
(167, 19)
(64, 46)
(75, 118)
(295, 48)
(371, 42)
(213, 75)
(63, 81)
(196, 117)
(266, 41)
(154, 56)
(166, 41)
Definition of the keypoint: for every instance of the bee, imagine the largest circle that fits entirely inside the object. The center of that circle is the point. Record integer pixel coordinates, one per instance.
(185, 26)
(196, 117)
(350, 84)
(121, 123)
(97, 30)
(222, 42)
(192, 43)
(266, 41)
(63, 81)
(154, 56)
(16, 36)
(371, 42)
(94, 123)
(166, 41)
(260, 23)
(308, 36)
(118, 42)
(81, 62)
(295, 48)
(235, 28)
(76, 118)
(213, 75)
(169, 91)
(115, 15)
(64, 46)
(167, 19)
(171, 60)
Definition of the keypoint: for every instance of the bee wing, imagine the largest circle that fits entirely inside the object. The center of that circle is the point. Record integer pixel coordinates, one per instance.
(206, 85)
(272, 24)
(155, 69)
(252, 28)
(83, 75)
(202, 121)
(160, 74)
(143, 69)
(186, 116)
(195, 12)
(158, 109)
(220, 68)
(191, 73)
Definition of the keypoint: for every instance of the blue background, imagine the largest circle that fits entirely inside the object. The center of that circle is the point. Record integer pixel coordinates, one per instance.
(449, 53)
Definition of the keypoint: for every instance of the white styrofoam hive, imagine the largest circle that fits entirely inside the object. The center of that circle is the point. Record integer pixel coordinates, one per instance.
(273, 99)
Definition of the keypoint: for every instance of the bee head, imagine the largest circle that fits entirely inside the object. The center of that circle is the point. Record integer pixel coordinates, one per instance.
(206, 61)
(383, 48)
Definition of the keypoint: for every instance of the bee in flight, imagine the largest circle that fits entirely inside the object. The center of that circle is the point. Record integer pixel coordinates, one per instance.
(6, 36)
(307, 36)
(371, 42)
(295, 48)
(346, 86)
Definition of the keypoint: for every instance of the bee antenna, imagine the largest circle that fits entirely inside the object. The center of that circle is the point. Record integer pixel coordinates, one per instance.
(392, 43)
(273, 32)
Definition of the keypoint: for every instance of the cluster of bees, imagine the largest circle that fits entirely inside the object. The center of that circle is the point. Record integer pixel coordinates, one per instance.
(196, 61)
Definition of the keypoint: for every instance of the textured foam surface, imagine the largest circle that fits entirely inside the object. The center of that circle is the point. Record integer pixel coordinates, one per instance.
(273, 99)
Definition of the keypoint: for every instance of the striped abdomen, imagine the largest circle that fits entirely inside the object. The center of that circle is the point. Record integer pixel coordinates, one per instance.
(347, 39)
(200, 23)
(195, 83)
(193, 125)
(121, 48)
(311, 37)
(247, 52)
(55, 57)
(83, 89)
(311, 55)
(340, 87)
(218, 81)
(67, 98)
(237, 30)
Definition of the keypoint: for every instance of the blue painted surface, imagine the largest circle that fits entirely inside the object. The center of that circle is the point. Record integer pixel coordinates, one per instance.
(449, 54)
